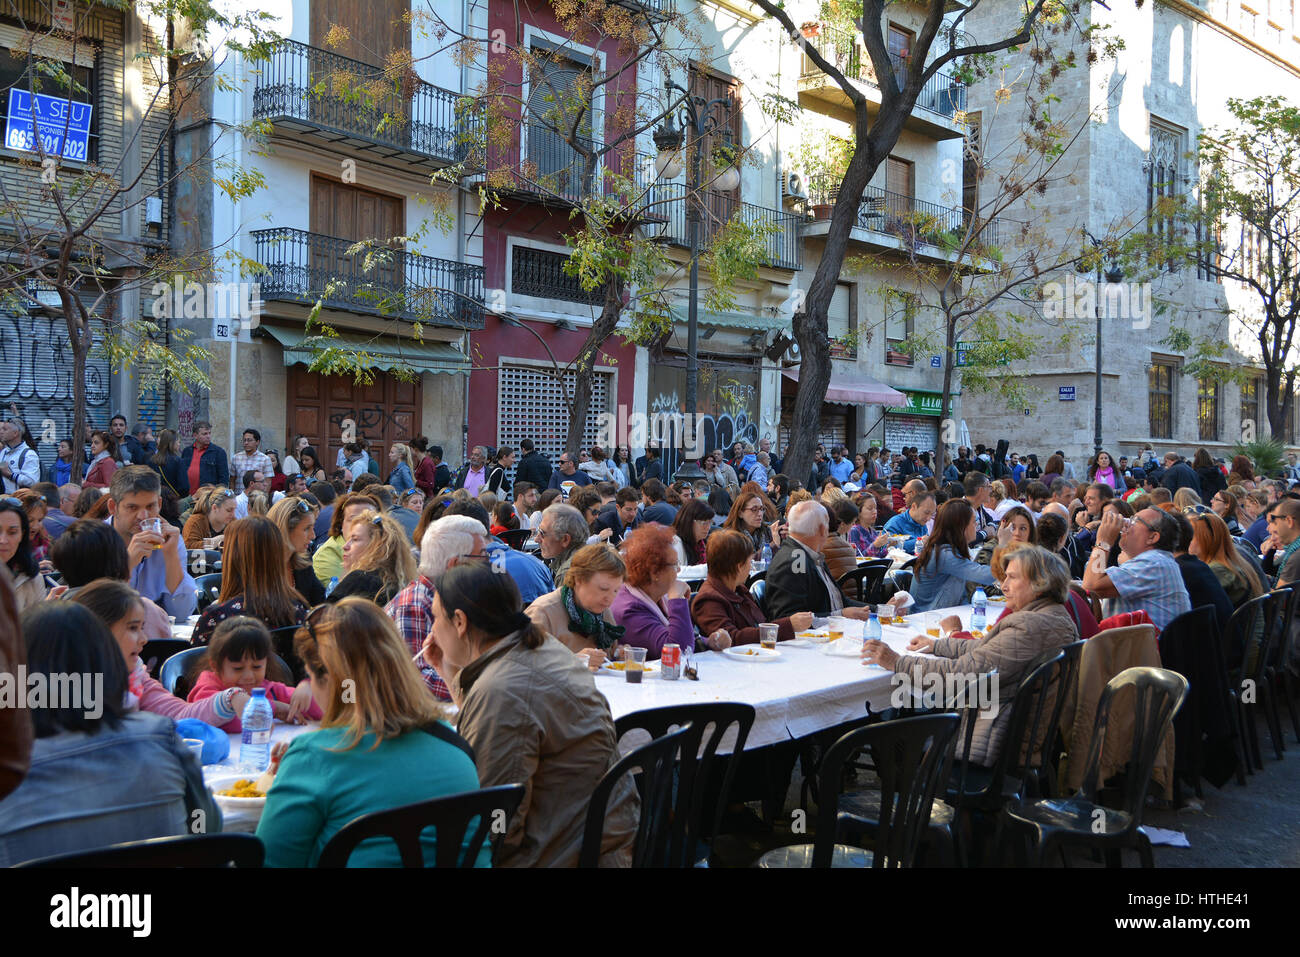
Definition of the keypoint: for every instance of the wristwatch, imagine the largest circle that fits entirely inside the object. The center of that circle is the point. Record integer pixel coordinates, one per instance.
(1104, 546)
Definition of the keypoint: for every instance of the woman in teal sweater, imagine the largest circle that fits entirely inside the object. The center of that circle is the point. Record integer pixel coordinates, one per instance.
(382, 743)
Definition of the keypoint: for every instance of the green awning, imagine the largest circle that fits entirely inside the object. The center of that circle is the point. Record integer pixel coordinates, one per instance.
(388, 351)
(731, 320)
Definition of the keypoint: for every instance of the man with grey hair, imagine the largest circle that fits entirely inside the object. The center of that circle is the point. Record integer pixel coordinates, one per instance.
(797, 579)
(759, 473)
(725, 472)
(562, 532)
(20, 466)
(1150, 580)
(447, 542)
(58, 519)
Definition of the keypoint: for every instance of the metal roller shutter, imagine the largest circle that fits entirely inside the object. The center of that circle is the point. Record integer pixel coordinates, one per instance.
(530, 406)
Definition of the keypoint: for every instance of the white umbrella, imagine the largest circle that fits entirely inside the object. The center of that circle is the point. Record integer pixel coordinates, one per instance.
(965, 435)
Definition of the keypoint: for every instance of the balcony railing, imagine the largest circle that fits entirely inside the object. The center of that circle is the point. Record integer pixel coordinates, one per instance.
(654, 9)
(356, 105)
(550, 168)
(304, 267)
(942, 93)
(784, 249)
(911, 219)
(540, 272)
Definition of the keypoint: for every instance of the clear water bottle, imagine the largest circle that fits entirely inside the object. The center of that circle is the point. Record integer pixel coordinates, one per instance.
(979, 617)
(765, 554)
(330, 587)
(872, 631)
(255, 745)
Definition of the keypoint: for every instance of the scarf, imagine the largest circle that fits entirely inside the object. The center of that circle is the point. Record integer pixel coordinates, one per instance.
(591, 626)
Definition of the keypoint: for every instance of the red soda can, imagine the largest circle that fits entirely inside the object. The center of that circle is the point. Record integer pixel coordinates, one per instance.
(670, 660)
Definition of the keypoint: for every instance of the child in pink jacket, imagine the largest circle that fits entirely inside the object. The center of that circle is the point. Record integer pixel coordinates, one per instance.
(237, 657)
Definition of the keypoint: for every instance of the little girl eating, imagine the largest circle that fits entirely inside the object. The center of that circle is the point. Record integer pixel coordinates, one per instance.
(237, 658)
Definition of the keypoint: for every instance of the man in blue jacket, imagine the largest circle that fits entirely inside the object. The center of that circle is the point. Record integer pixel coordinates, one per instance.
(213, 467)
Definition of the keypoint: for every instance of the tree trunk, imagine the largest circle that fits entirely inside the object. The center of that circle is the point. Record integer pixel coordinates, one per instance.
(79, 337)
(585, 364)
(945, 407)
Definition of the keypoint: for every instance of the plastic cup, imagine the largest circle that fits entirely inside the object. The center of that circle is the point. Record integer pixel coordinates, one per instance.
(767, 632)
(932, 624)
(195, 745)
(635, 661)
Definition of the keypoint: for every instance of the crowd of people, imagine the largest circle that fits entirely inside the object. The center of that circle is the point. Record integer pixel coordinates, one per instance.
(500, 587)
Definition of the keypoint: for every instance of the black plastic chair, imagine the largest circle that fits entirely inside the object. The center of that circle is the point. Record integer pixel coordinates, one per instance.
(1255, 627)
(1281, 676)
(488, 810)
(756, 577)
(158, 650)
(1190, 646)
(867, 581)
(908, 755)
(655, 761)
(516, 537)
(209, 587)
(178, 666)
(697, 766)
(1054, 822)
(190, 850)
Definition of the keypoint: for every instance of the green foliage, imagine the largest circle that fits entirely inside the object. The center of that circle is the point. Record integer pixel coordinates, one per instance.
(1267, 456)
(736, 252)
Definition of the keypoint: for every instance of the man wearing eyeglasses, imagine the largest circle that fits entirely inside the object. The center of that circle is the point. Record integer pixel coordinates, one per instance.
(568, 472)
(1147, 577)
(1281, 550)
(155, 556)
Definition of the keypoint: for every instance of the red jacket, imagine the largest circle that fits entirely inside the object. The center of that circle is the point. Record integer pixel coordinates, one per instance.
(717, 606)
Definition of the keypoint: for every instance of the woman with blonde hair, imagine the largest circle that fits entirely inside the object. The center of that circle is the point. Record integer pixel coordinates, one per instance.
(377, 559)
(296, 520)
(577, 613)
(257, 504)
(213, 512)
(1212, 543)
(402, 477)
(382, 743)
(1185, 498)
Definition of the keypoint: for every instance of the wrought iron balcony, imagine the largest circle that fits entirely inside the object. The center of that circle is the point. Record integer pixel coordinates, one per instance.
(911, 220)
(346, 104)
(784, 250)
(653, 9)
(943, 93)
(303, 267)
(540, 273)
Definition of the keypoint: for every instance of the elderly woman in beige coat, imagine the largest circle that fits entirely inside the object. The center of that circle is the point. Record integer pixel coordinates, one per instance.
(1036, 587)
(577, 613)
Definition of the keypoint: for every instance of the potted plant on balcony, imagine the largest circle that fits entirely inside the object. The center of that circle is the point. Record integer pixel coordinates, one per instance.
(810, 29)
(824, 158)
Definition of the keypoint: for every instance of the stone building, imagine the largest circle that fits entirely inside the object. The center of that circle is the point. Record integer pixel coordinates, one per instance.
(1181, 63)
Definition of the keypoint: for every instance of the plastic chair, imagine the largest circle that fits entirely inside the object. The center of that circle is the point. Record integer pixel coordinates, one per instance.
(178, 665)
(867, 580)
(209, 587)
(516, 538)
(696, 767)
(158, 650)
(1279, 672)
(452, 816)
(1254, 628)
(190, 850)
(755, 577)
(653, 834)
(758, 589)
(909, 757)
(1054, 822)
(1181, 650)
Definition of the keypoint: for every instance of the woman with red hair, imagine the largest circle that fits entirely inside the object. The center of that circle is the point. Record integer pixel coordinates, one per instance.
(652, 606)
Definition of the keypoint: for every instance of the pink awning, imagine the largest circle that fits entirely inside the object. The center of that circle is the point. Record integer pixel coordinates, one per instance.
(856, 390)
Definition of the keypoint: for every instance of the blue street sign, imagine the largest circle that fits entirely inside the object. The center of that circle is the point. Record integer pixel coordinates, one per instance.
(63, 125)
(936, 362)
(1066, 393)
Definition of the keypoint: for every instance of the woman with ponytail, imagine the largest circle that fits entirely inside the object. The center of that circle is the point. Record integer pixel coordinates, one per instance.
(532, 714)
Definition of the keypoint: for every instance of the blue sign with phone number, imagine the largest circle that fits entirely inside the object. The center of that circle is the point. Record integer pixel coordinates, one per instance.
(63, 125)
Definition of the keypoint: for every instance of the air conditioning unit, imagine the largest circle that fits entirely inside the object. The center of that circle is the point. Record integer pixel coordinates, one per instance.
(794, 185)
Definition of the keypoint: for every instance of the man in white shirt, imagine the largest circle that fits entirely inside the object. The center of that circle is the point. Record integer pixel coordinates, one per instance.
(20, 466)
(254, 481)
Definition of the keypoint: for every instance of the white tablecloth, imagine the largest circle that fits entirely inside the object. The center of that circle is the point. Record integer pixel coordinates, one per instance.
(242, 820)
(802, 692)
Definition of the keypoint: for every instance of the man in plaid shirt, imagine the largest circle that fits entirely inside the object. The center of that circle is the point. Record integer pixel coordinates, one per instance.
(252, 459)
(447, 542)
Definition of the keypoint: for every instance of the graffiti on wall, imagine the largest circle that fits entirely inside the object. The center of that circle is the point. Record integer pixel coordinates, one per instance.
(716, 431)
(36, 378)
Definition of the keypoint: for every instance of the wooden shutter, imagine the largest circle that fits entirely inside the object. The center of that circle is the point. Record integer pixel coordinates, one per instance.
(720, 204)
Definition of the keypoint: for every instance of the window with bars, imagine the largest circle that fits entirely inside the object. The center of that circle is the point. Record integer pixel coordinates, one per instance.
(900, 326)
(530, 405)
(1164, 179)
(971, 165)
(1250, 409)
(1207, 409)
(540, 273)
(1160, 396)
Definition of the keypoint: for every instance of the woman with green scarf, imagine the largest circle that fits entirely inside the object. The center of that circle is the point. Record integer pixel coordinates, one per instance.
(577, 613)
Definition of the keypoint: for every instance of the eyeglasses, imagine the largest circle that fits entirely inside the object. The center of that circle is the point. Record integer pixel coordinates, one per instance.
(1196, 509)
(1139, 518)
(310, 621)
(303, 505)
(377, 520)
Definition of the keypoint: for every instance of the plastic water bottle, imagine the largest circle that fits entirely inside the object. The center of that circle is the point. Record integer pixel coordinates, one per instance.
(765, 555)
(979, 617)
(330, 587)
(255, 745)
(872, 631)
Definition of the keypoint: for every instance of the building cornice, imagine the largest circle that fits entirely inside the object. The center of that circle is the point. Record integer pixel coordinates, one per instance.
(1194, 12)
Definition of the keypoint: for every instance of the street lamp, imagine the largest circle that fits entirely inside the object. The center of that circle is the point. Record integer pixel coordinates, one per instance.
(698, 117)
(1114, 274)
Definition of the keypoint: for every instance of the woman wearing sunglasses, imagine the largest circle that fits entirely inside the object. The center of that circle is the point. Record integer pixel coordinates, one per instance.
(377, 559)
(296, 520)
(213, 513)
(16, 552)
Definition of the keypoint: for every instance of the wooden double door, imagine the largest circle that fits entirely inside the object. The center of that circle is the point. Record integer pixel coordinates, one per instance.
(342, 214)
(324, 408)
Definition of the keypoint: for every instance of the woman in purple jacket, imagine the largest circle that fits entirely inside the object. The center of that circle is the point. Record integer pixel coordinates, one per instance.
(653, 606)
